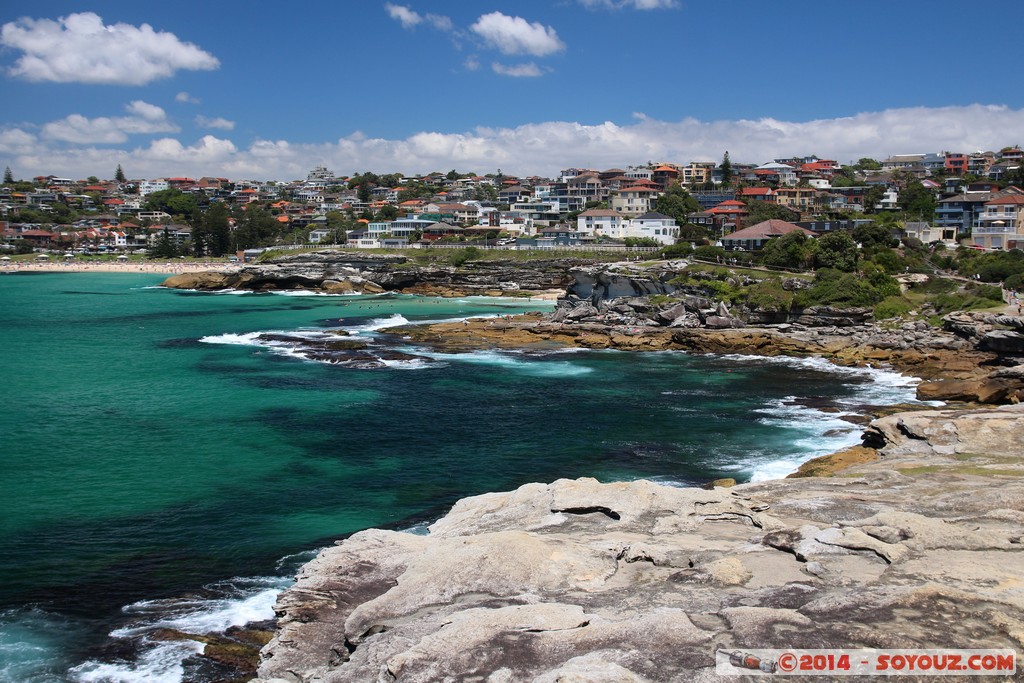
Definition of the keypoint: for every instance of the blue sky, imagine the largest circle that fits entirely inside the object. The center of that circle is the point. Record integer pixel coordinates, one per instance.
(263, 90)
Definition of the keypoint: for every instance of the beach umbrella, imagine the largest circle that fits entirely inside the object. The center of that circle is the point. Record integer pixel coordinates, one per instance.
(42, 257)
(122, 257)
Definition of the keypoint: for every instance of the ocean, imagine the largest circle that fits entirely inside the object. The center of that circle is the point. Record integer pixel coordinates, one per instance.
(169, 458)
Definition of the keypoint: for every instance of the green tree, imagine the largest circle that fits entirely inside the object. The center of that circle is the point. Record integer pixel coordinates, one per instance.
(92, 180)
(872, 235)
(726, 168)
(174, 202)
(677, 203)
(365, 191)
(867, 164)
(836, 250)
(256, 228)
(119, 175)
(8, 176)
(165, 247)
(917, 201)
(792, 250)
(211, 236)
(759, 211)
(872, 197)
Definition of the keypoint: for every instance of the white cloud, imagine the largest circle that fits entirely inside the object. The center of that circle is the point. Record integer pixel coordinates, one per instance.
(515, 35)
(634, 4)
(185, 98)
(542, 148)
(16, 141)
(79, 48)
(218, 122)
(472, 63)
(403, 15)
(528, 70)
(440, 22)
(409, 18)
(144, 118)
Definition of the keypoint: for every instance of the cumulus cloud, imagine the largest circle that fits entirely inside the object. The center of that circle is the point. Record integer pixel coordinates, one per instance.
(218, 122)
(16, 141)
(143, 118)
(185, 98)
(79, 48)
(544, 148)
(528, 70)
(515, 35)
(634, 4)
(409, 18)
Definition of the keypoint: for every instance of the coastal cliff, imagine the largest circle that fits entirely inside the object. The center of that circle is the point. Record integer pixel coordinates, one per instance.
(578, 580)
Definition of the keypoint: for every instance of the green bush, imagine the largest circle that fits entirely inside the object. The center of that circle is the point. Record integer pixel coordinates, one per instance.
(1015, 282)
(848, 290)
(768, 295)
(682, 249)
(936, 285)
(709, 253)
(990, 292)
(892, 307)
(460, 256)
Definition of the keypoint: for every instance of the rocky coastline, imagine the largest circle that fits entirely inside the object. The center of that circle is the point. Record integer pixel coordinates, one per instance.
(911, 540)
(584, 581)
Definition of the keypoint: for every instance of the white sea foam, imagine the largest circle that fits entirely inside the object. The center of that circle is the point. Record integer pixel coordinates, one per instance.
(160, 663)
(243, 600)
(533, 368)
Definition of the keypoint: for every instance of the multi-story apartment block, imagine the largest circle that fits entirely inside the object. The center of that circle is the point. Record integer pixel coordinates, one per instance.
(1001, 224)
(635, 200)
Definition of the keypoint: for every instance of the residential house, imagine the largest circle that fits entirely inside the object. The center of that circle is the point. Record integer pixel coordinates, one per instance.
(956, 164)
(798, 199)
(902, 161)
(1001, 224)
(150, 186)
(656, 226)
(664, 176)
(928, 233)
(960, 212)
(589, 187)
(755, 237)
(604, 222)
(635, 200)
(760, 194)
(729, 215)
(698, 172)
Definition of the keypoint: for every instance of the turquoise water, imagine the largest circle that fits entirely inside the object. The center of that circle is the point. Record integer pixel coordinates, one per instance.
(164, 464)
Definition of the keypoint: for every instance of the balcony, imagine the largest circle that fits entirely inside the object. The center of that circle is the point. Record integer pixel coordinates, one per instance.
(994, 230)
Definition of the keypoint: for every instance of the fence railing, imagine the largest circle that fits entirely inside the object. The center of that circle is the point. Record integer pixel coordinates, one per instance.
(488, 247)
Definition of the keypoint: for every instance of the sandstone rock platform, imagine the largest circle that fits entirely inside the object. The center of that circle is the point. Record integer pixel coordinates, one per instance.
(577, 580)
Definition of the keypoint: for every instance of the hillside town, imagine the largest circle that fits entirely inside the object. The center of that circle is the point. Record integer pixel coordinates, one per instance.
(938, 198)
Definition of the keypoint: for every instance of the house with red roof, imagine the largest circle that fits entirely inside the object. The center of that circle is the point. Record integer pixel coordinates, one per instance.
(755, 237)
(761, 194)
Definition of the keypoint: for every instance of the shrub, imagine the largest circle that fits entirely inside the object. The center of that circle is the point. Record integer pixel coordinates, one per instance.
(990, 292)
(681, 249)
(709, 253)
(892, 307)
(769, 295)
(847, 290)
(460, 256)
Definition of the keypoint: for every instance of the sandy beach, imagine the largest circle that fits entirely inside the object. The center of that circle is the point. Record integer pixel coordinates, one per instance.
(165, 267)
